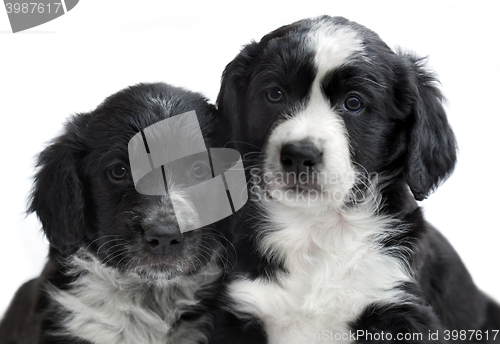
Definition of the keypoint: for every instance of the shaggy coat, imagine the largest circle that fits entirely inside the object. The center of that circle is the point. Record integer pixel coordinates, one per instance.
(340, 136)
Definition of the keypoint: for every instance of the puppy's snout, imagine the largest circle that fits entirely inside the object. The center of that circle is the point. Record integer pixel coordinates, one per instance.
(163, 238)
(300, 157)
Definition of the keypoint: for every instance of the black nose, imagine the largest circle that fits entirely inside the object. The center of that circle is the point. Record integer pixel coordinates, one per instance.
(300, 157)
(163, 239)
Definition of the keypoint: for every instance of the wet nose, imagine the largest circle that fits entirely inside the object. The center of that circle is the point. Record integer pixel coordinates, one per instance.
(299, 157)
(163, 238)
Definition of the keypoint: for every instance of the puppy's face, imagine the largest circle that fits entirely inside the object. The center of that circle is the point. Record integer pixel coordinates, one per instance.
(329, 104)
(94, 204)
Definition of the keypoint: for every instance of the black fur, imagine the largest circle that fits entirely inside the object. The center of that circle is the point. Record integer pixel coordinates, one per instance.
(402, 134)
(82, 207)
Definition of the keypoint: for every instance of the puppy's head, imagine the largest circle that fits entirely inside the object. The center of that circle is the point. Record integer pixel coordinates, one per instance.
(85, 197)
(328, 103)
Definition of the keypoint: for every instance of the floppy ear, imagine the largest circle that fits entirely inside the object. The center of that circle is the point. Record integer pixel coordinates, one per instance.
(431, 154)
(57, 196)
(234, 83)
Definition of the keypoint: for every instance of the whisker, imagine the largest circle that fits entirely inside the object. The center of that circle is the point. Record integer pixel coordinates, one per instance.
(107, 242)
(118, 254)
(99, 238)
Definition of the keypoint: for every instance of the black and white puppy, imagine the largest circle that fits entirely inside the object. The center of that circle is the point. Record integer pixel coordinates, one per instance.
(119, 269)
(341, 135)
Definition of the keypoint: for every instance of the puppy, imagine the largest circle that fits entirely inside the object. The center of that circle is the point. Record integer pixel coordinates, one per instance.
(341, 135)
(119, 269)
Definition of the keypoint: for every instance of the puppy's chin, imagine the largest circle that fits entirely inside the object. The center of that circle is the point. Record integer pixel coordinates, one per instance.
(307, 195)
(296, 196)
(159, 274)
(161, 269)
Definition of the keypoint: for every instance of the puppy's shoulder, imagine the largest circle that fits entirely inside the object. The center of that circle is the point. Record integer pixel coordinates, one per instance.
(27, 316)
(22, 322)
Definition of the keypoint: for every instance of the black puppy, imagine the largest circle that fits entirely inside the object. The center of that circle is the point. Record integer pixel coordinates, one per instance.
(341, 135)
(119, 268)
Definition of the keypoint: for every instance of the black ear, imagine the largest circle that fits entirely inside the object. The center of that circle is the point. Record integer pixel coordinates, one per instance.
(234, 83)
(431, 154)
(57, 196)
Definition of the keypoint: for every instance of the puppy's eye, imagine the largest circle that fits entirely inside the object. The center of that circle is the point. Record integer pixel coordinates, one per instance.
(275, 95)
(118, 172)
(200, 171)
(353, 104)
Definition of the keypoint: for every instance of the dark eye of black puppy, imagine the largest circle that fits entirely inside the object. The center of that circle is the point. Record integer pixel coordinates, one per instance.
(275, 95)
(200, 171)
(353, 104)
(118, 173)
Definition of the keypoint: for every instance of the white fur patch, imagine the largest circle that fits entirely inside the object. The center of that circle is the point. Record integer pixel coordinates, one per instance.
(108, 307)
(335, 268)
(333, 46)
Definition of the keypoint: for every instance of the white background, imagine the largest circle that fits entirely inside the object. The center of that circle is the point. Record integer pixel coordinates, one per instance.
(71, 64)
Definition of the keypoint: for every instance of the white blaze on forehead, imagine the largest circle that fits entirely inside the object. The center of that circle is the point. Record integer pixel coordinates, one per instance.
(333, 47)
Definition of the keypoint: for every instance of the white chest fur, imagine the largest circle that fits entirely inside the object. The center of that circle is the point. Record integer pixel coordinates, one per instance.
(107, 307)
(335, 268)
